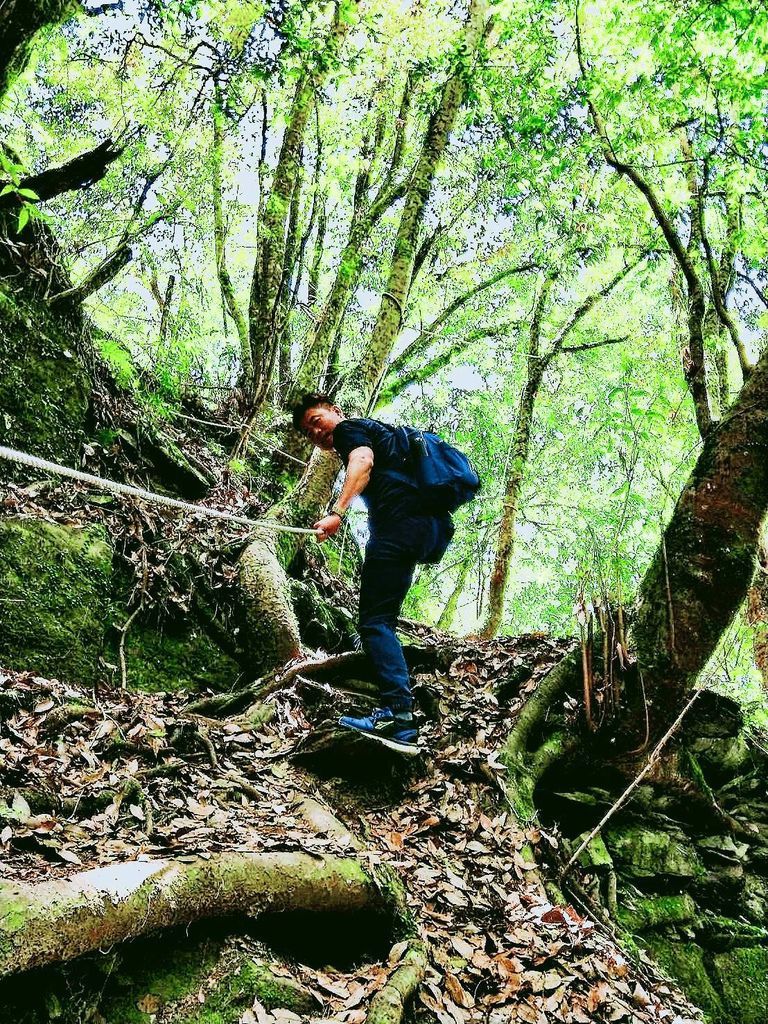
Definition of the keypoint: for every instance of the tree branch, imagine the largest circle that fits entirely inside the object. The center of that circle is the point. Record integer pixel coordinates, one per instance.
(418, 346)
(695, 371)
(595, 344)
(79, 173)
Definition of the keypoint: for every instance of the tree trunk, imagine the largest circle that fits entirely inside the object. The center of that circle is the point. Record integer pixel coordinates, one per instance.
(269, 274)
(229, 298)
(449, 612)
(363, 381)
(313, 372)
(313, 281)
(22, 19)
(757, 613)
(520, 449)
(701, 572)
(521, 443)
(272, 630)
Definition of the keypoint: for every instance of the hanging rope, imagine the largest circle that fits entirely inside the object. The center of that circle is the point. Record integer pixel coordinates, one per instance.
(139, 492)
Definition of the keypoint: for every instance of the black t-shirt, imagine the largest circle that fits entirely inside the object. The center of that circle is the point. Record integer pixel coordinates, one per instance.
(385, 496)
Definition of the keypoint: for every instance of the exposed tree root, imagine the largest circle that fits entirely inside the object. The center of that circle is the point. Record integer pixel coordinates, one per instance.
(272, 630)
(230, 703)
(389, 1003)
(271, 633)
(526, 765)
(323, 821)
(61, 919)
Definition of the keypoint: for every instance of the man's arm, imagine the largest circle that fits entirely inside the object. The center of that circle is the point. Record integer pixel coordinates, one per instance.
(358, 474)
(359, 466)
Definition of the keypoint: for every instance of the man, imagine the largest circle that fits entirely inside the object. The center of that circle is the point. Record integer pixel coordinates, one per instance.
(403, 533)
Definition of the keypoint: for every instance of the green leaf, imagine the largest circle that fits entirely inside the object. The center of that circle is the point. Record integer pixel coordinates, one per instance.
(23, 218)
(29, 193)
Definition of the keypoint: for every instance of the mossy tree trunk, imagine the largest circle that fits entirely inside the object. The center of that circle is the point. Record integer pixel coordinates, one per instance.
(22, 20)
(448, 614)
(537, 366)
(695, 585)
(702, 570)
(367, 211)
(229, 298)
(757, 612)
(272, 269)
(363, 382)
(271, 627)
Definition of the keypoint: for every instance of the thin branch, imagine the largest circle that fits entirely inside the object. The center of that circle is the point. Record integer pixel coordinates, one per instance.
(755, 288)
(595, 344)
(423, 340)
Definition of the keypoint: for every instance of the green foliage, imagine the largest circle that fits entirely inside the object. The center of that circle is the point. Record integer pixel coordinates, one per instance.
(525, 183)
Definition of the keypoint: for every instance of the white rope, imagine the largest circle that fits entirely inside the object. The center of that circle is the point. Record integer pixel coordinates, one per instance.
(139, 492)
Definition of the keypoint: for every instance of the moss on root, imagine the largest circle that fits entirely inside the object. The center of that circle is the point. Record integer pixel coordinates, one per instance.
(684, 961)
(173, 655)
(646, 853)
(656, 911)
(208, 976)
(237, 990)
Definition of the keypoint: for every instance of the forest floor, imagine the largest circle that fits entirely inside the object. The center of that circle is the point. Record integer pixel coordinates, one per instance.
(91, 777)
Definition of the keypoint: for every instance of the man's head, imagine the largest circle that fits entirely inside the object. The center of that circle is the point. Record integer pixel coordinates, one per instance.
(316, 416)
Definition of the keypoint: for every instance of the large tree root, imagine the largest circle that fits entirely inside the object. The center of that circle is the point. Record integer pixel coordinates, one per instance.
(389, 1003)
(525, 762)
(61, 919)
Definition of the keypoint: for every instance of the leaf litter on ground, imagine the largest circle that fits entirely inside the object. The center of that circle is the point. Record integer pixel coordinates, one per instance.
(112, 782)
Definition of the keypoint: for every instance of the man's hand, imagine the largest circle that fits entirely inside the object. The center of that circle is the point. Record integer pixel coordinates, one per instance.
(327, 526)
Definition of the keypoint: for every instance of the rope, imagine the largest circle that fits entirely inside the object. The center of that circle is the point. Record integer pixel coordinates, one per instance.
(139, 492)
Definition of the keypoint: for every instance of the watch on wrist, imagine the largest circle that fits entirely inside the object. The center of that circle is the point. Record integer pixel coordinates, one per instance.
(336, 511)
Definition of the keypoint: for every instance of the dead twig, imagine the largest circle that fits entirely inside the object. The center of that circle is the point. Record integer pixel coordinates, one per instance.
(121, 647)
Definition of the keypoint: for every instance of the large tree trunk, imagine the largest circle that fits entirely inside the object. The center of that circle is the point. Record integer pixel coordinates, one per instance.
(695, 585)
(757, 613)
(21, 20)
(702, 570)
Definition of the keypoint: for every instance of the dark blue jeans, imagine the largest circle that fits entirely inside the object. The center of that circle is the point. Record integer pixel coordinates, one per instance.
(390, 559)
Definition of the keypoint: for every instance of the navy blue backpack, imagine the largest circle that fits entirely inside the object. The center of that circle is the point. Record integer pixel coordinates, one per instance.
(443, 474)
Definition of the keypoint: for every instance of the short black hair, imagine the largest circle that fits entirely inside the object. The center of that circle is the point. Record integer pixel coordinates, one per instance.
(309, 401)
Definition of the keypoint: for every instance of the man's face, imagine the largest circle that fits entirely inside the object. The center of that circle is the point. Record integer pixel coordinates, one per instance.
(318, 423)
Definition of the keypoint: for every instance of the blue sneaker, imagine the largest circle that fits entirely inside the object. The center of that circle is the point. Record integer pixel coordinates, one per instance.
(395, 731)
